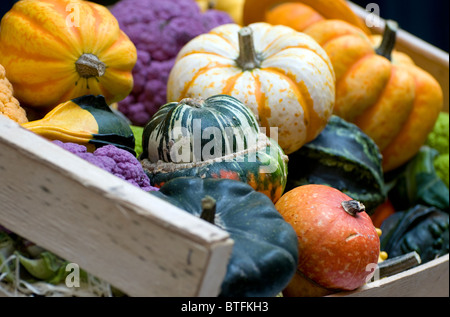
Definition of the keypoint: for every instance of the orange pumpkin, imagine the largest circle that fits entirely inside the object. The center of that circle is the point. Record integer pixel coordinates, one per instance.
(293, 14)
(299, 13)
(337, 242)
(382, 212)
(392, 100)
(283, 76)
(57, 50)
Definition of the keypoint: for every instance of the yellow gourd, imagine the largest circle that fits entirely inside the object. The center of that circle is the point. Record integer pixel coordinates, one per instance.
(10, 106)
(57, 50)
(234, 8)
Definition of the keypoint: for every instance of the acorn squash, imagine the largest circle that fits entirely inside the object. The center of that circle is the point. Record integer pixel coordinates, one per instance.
(343, 157)
(264, 256)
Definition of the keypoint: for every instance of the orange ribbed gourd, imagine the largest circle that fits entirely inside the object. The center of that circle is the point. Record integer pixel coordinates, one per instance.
(382, 91)
(293, 14)
(298, 14)
(57, 50)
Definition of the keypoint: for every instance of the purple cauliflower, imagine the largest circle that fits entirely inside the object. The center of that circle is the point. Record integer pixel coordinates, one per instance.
(114, 160)
(159, 29)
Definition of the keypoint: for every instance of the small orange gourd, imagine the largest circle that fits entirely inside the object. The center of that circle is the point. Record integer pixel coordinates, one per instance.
(57, 50)
(392, 100)
(337, 241)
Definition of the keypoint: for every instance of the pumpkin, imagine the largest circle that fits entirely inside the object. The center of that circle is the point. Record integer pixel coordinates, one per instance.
(283, 76)
(216, 137)
(423, 229)
(343, 157)
(293, 14)
(296, 13)
(57, 50)
(9, 105)
(337, 241)
(393, 101)
(86, 120)
(264, 255)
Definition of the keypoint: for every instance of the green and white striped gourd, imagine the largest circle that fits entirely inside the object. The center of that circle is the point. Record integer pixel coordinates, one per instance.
(217, 137)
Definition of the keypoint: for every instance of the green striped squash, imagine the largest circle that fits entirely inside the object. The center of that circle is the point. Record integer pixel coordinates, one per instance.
(343, 157)
(217, 137)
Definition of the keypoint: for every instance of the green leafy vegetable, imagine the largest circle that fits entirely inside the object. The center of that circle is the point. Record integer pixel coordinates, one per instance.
(137, 131)
(417, 182)
(421, 228)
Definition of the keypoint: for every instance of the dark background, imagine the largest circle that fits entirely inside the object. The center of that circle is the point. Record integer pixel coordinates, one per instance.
(428, 20)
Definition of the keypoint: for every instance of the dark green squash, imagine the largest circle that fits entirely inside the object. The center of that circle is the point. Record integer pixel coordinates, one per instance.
(217, 137)
(85, 120)
(423, 229)
(343, 157)
(265, 253)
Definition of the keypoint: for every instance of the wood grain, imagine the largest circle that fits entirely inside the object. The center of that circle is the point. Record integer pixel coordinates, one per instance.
(426, 280)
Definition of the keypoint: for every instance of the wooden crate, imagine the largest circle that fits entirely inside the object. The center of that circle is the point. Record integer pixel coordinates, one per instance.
(139, 243)
(112, 229)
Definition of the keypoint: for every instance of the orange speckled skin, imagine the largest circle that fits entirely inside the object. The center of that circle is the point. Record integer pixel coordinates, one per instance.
(335, 248)
(256, 10)
(292, 89)
(41, 41)
(394, 102)
(293, 14)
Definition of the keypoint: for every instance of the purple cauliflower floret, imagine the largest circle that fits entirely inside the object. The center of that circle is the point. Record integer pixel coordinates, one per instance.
(114, 160)
(159, 29)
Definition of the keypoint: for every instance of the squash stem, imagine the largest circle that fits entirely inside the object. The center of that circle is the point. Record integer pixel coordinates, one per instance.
(353, 207)
(208, 209)
(88, 65)
(248, 58)
(193, 102)
(389, 38)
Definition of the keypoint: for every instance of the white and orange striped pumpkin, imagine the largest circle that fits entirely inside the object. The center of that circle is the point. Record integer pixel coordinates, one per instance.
(283, 76)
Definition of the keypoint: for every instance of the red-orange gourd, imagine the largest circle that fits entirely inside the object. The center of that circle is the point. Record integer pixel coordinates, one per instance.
(337, 241)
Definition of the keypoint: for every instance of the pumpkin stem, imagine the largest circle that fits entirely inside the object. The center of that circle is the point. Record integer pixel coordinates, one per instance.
(353, 207)
(389, 38)
(208, 209)
(193, 102)
(88, 65)
(248, 58)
